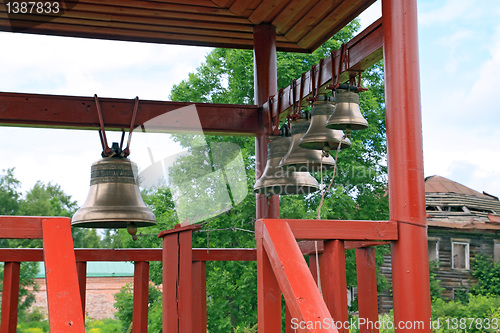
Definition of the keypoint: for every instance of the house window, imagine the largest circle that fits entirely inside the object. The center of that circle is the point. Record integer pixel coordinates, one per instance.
(496, 250)
(460, 255)
(433, 245)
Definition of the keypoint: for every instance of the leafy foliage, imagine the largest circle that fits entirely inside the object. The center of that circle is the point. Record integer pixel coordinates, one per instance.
(487, 274)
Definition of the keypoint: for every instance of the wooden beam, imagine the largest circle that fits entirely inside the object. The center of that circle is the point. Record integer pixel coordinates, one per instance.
(63, 292)
(80, 113)
(342, 229)
(84, 255)
(294, 278)
(334, 282)
(10, 297)
(21, 227)
(363, 51)
(141, 297)
(366, 272)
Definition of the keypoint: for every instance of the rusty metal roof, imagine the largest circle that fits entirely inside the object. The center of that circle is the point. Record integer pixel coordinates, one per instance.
(438, 184)
(301, 26)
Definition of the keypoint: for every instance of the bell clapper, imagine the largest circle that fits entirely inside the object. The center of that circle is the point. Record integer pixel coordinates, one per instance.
(132, 230)
(326, 151)
(348, 132)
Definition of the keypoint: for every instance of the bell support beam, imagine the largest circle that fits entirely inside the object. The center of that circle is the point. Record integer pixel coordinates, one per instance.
(296, 282)
(74, 112)
(362, 51)
(410, 266)
(265, 86)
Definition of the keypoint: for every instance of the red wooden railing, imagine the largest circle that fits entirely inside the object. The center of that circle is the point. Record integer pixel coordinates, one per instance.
(184, 276)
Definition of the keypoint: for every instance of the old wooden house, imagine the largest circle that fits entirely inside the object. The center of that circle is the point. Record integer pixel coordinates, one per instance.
(461, 223)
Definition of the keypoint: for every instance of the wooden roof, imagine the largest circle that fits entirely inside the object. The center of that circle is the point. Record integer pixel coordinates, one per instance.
(301, 25)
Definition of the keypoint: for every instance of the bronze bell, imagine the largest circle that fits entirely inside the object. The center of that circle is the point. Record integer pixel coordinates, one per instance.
(346, 115)
(275, 180)
(318, 136)
(114, 199)
(301, 159)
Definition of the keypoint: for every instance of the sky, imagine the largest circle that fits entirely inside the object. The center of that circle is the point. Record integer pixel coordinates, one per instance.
(459, 47)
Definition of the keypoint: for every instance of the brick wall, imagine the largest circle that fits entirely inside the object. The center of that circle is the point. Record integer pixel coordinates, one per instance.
(99, 299)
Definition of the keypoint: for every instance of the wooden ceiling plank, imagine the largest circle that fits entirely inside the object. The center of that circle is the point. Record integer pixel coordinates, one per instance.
(239, 7)
(143, 12)
(341, 15)
(293, 9)
(262, 11)
(310, 20)
(126, 19)
(155, 5)
(83, 23)
(223, 3)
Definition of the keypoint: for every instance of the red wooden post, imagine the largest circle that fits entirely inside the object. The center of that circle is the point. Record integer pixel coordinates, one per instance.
(366, 271)
(10, 297)
(268, 292)
(199, 297)
(313, 265)
(410, 270)
(81, 270)
(334, 283)
(177, 279)
(141, 295)
(63, 292)
(265, 83)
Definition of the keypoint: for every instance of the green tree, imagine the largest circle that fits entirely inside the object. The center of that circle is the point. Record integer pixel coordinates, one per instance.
(42, 200)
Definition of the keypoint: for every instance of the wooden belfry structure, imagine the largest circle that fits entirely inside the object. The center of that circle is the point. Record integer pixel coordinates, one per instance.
(266, 26)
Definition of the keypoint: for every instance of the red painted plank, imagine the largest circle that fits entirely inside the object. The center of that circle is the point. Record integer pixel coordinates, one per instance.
(81, 269)
(141, 294)
(170, 283)
(185, 291)
(334, 283)
(361, 244)
(294, 278)
(199, 297)
(80, 112)
(214, 254)
(63, 292)
(268, 290)
(21, 227)
(343, 229)
(313, 265)
(10, 295)
(366, 271)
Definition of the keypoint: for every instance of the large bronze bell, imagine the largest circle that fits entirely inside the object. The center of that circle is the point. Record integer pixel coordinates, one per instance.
(114, 199)
(318, 136)
(275, 180)
(346, 115)
(301, 159)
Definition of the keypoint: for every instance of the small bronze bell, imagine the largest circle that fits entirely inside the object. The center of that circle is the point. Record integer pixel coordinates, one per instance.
(275, 180)
(114, 199)
(301, 159)
(318, 136)
(346, 115)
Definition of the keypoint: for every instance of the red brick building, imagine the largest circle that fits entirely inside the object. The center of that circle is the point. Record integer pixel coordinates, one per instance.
(104, 280)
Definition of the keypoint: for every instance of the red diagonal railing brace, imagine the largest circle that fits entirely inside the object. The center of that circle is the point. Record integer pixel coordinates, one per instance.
(293, 276)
